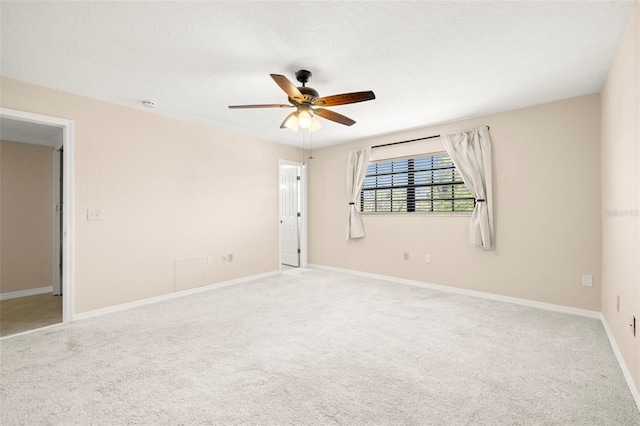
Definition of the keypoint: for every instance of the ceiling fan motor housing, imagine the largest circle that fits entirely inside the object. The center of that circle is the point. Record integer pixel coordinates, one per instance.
(309, 94)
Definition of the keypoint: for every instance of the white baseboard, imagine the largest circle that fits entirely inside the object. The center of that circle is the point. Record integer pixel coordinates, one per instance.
(23, 293)
(623, 365)
(175, 295)
(472, 293)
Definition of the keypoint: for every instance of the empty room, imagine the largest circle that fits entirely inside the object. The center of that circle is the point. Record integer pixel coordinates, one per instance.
(320, 212)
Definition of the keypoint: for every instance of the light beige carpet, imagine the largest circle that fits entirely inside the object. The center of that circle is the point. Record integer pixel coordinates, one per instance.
(315, 347)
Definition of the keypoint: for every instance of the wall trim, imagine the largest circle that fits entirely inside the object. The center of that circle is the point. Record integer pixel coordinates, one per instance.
(472, 293)
(169, 296)
(623, 365)
(24, 293)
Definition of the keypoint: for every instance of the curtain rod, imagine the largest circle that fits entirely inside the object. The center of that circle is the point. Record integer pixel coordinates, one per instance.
(401, 142)
(410, 140)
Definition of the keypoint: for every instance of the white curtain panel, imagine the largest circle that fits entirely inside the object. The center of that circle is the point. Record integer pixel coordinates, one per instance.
(356, 171)
(470, 151)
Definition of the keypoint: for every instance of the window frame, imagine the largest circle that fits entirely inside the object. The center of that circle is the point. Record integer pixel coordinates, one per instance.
(411, 187)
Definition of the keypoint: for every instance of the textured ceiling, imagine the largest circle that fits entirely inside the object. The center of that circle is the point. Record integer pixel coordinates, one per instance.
(427, 62)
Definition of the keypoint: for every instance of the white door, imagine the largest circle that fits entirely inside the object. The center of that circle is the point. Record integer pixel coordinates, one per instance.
(289, 216)
(57, 222)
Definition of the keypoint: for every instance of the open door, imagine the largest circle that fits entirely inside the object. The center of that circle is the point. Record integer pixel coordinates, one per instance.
(290, 216)
(57, 222)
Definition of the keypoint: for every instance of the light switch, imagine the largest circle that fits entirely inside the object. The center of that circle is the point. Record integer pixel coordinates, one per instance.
(94, 214)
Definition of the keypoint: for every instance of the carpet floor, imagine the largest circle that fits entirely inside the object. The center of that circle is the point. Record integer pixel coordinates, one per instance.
(317, 348)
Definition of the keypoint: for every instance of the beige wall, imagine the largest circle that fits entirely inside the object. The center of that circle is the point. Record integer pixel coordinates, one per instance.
(620, 195)
(168, 190)
(26, 216)
(546, 204)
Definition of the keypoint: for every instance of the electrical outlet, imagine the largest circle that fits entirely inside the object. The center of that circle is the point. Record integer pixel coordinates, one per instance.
(230, 257)
(427, 258)
(618, 303)
(210, 260)
(406, 255)
(94, 214)
(587, 280)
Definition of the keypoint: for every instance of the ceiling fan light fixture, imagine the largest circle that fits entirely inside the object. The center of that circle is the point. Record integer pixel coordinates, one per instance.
(291, 122)
(304, 119)
(315, 124)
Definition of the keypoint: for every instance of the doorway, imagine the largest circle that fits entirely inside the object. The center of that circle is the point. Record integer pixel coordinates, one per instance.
(56, 136)
(292, 214)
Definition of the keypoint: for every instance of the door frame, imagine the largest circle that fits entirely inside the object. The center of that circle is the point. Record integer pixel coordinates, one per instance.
(68, 139)
(57, 226)
(302, 190)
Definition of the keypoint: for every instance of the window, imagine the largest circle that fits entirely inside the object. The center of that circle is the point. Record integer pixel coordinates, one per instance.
(423, 184)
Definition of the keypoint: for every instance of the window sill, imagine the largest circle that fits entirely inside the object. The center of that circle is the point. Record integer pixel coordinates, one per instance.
(448, 214)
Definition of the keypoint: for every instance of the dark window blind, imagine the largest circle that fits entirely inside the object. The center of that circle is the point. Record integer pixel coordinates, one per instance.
(425, 184)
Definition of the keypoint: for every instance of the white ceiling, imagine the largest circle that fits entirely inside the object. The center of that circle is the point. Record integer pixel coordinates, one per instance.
(427, 62)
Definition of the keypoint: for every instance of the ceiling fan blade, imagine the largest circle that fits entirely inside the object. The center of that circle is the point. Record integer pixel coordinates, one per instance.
(289, 88)
(345, 98)
(261, 106)
(333, 116)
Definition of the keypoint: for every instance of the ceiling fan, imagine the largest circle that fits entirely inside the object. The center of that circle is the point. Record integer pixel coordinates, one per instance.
(309, 104)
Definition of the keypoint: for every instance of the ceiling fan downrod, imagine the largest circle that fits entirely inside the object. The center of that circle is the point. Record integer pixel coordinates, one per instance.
(303, 76)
